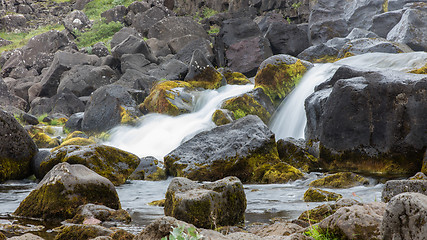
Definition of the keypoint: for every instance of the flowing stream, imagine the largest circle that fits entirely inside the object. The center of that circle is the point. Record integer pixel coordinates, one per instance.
(156, 135)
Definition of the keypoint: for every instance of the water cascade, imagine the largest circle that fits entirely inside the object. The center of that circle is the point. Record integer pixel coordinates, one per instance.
(289, 119)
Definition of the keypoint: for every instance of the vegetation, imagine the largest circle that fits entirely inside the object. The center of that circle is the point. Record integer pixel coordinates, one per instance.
(100, 32)
(319, 235)
(205, 13)
(94, 8)
(180, 233)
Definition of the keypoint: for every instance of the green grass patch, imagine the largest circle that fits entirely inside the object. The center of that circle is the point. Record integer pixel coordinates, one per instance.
(94, 9)
(214, 29)
(318, 235)
(100, 32)
(20, 39)
(205, 13)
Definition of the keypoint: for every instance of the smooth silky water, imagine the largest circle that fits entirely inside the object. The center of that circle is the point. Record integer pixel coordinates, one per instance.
(156, 135)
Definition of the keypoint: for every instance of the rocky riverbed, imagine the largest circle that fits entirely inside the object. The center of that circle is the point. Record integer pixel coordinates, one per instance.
(228, 120)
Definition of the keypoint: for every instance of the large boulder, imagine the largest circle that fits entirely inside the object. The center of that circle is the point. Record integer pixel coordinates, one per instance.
(83, 231)
(245, 148)
(367, 45)
(411, 29)
(287, 38)
(64, 189)
(109, 162)
(76, 21)
(8, 99)
(405, 217)
(396, 187)
(319, 195)
(384, 22)
(172, 69)
(131, 45)
(64, 102)
(173, 27)
(279, 74)
(108, 107)
(207, 205)
(361, 222)
(297, 153)
(340, 180)
(369, 121)
(16, 149)
(321, 212)
(202, 73)
(144, 20)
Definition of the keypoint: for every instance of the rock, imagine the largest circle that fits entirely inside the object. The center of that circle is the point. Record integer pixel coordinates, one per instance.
(109, 162)
(176, 44)
(160, 228)
(340, 180)
(321, 212)
(395, 187)
(158, 47)
(245, 148)
(356, 222)
(239, 235)
(9, 99)
(287, 38)
(30, 119)
(100, 212)
(133, 61)
(170, 70)
(148, 169)
(132, 45)
(122, 35)
(399, 4)
(411, 29)
(319, 195)
(207, 205)
(74, 123)
(40, 157)
(405, 217)
(11, 60)
(42, 140)
(173, 27)
(64, 102)
(16, 149)
(80, 231)
(169, 97)
(295, 152)
(222, 117)
(382, 23)
(185, 53)
(100, 50)
(276, 229)
(13, 22)
(144, 20)
(367, 45)
(65, 188)
(115, 14)
(254, 102)
(76, 134)
(278, 75)
(380, 132)
(108, 107)
(235, 78)
(79, 141)
(201, 73)
(27, 236)
(62, 62)
(418, 176)
(76, 21)
(17, 229)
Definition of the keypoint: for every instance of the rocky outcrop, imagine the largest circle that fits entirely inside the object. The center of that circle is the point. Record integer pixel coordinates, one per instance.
(207, 205)
(396, 187)
(245, 148)
(369, 121)
(405, 217)
(109, 162)
(65, 188)
(16, 149)
(8, 99)
(64, 102)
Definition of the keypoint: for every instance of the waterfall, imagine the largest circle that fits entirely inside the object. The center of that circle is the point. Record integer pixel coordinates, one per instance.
(290, 119)
(158, 134)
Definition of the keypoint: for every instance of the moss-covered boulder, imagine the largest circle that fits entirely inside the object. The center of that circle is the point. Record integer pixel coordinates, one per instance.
(202, 74)
(278, 173)
(64, 189)
(243, 149)
(340, 180)
(207, 205)
(80, 231)
(319, 195)
(255, 102)
(279, 74)
(100, 212)
(148, 169)
(169, 97)
(78, 141)
(295, 152)
(43, 140)
(235, 78)
(109, 162)
(222, 116)
(16, 149)
(321, 212)
(76, 134)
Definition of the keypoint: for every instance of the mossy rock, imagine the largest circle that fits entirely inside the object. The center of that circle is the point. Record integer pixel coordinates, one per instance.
(207, 205)
(222, 116)
(64, 189)
(236, 78)
(294, 152)
(148, 169)
(279, 74)
(278, 173)
(100, 212)
(75, 134)
(2, 236)
(321, 212)
(319, 195)
(169, 97)
(160, 203)
(122, 235)
(42, 140)
(17, 149)
(244, 105)
(82, 232)
(78, 141)
(421, 70)
(340, 180)
(418, 176)
(109, 162)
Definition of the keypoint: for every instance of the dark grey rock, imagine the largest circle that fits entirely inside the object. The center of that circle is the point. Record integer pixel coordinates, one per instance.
(115, 14)
(384, 22)
(121, 35)
(76, 20)
(132, 45)
(9, 99)
(395, 187)
(147, 166)
(40, 157)
(170, 70)
(158, 47)
(173, 27)
(288, 38)
(30, 119)
(74, 123)
(317, 52)
(13, 22)
(100, 50)
(133, 61)
(64, 102)
(204, 45)
(399, 4)
(176, 44)
(144, 20)
(369, 45)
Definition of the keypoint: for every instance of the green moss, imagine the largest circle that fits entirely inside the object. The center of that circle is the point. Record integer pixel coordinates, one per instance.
(13, 169)
(122, 235)
(319, 195)
(80, 232)
(42, 140)
(220, 118)
(75, 141)
(297, 157)
(160, 97)
(160, 174)
(127, 117)
(422, 70)
(340, 180)
(385, 6)
(95, 7)
(279, 79)
(160, 203)
(325, 59)
(236, 78)
(209, 78)
(75, 134)
(279, 173)
(245, 105)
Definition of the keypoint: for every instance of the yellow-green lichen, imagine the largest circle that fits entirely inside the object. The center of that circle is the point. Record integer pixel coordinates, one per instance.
(319, 195)
(127, 117)
(236, 78)
(244, 105)
(160, 203)
(42, 140)
(385, 6)
(75, 141)
(209, 78)
(340, 180)
(81, 232)
(160, 174)
(220, 118)
(279, 79)
(75, 134)
(278, 173)
(122, 235)
(422, 70)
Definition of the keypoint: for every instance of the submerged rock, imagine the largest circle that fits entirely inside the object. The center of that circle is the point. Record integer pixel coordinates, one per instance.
(207, 205)
(395, 187)
(245, 148)
(340, 180)
(319, 195)
(65, 188)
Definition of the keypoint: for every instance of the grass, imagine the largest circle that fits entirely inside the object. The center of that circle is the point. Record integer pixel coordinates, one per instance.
(100, 32)
(317, 235)
(205, 13)
(94, 9)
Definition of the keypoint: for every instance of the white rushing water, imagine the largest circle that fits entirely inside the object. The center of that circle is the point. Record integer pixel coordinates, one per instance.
(157, 134)
(290, 119)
